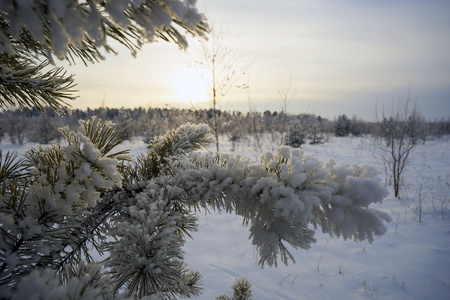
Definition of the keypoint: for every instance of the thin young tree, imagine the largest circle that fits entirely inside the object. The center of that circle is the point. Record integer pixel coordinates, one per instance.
(227, 64)
(286, 96)
(253, 120)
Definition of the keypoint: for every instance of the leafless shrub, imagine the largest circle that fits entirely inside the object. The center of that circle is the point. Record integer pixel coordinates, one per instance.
(397, 133)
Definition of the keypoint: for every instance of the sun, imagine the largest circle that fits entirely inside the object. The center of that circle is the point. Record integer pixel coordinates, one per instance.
(191, 85)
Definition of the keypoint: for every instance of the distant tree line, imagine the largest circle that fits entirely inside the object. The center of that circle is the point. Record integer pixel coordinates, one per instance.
(29, 125)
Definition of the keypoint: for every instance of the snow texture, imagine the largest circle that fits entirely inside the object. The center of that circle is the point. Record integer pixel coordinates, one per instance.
(410, 261)
(283, 197)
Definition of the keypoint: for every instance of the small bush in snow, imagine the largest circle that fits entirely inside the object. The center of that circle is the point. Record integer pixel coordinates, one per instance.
(296, 135)
(242, 290)
(343, 126)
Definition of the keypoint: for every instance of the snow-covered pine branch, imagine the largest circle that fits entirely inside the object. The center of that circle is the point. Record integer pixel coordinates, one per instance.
(163, 151)
(81, 199)
(74, 28)
(25, 82)
(34, 32)
(46, 214)
(281, 196)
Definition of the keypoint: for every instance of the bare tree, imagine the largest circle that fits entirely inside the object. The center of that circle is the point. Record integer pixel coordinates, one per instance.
(285, 99)
(224, 61)
(397, 133)
(254, 119)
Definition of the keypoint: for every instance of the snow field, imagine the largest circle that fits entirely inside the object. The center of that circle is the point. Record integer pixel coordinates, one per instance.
(411, 261)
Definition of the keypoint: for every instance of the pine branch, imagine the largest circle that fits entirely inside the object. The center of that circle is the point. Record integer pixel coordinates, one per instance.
(105, 137)
(44, 33)
(24, 83)
(178, 142)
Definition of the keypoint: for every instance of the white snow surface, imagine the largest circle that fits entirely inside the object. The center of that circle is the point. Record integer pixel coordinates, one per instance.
(411, 261)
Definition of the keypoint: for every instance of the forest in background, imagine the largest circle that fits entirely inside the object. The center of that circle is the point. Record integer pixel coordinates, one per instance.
(29, 125)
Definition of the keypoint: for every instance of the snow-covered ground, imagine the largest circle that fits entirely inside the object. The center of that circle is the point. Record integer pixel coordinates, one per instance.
(411, 261)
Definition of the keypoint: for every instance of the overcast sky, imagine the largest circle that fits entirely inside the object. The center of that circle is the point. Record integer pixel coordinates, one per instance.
(342, 57)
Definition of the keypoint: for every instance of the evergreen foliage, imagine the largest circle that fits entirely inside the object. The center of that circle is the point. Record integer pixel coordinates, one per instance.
(296, 135)
(242, 290)
(315, 131)
(152, 122)
(82, 220)
(343, 126)
(24, 83)
(58, 202)
(33, 33)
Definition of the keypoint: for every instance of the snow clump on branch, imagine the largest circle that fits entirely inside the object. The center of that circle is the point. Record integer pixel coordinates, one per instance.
(63, 26)
(85, 197)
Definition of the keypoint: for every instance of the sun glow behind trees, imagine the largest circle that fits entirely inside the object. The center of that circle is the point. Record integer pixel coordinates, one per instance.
(191, 85)
(336, 66)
